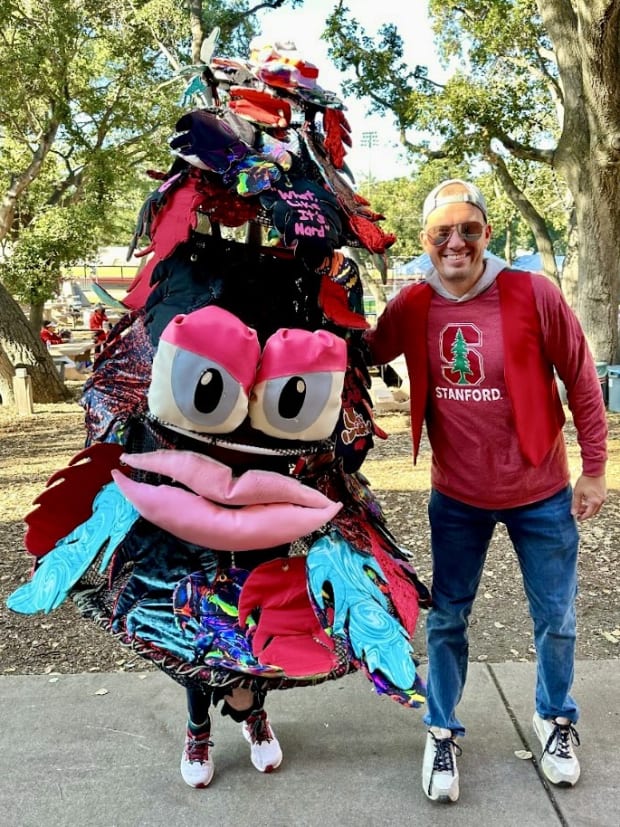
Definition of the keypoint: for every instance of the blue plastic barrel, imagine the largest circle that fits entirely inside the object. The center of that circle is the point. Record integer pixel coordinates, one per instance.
(613, 388)
(602, 368)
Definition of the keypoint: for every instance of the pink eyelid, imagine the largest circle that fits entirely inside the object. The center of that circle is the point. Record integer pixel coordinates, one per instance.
(292, 351)
(220, 336)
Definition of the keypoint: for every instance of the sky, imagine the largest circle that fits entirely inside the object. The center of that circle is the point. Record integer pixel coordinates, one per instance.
(305, 25)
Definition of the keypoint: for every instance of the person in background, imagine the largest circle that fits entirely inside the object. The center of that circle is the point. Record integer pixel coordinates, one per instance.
(98, 323)
(481, 344)
(48, 334)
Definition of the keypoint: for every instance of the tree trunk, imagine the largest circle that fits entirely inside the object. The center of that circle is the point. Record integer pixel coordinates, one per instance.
(23, 347)
(508, 243)
(197, 29)
(22, 180)
(7, 397)
(598, 220)
(36, 317)
(585, 35)
(570, 268)
(535, 221)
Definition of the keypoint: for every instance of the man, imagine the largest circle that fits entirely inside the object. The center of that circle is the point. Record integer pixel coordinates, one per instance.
(98, 323)
(48, 334)
(481, 343)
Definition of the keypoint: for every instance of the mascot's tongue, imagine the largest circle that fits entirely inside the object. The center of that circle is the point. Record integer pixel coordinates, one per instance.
(269, 509)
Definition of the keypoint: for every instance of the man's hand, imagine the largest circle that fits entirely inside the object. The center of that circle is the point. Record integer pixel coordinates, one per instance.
(589, 494)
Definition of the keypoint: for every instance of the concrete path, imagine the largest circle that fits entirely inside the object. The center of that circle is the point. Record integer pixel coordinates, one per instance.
(102, 750)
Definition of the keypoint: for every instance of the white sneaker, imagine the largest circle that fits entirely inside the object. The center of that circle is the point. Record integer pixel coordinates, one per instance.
(265, 754)
(558, 760)
(196, 765)
(440, 776)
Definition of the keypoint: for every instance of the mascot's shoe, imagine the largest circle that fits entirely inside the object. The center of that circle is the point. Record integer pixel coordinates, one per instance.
(196, 764)
(266, 754)
(558, 761)
(440, 776)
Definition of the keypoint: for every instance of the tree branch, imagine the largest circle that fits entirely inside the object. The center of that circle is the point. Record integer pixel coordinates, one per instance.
(523, 151)
(534, 220)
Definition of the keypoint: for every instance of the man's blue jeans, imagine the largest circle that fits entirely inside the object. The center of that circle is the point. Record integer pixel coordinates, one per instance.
(545, 538)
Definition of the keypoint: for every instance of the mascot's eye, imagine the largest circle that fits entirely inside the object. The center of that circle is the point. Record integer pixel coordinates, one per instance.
(209, 391)
(194, 393)
(203, 385)
(297, 394)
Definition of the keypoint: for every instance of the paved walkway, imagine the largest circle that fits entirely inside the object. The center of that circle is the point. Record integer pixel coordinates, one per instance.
(102, 750)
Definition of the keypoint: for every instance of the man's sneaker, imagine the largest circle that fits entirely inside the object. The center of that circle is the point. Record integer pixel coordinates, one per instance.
(558, 761)
(196, 764)
(440, 776)
(266, 754)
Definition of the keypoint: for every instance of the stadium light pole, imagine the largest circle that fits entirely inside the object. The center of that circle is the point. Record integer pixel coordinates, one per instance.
(369, 140)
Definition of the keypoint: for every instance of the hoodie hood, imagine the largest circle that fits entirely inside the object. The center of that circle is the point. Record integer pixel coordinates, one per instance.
(493, 265)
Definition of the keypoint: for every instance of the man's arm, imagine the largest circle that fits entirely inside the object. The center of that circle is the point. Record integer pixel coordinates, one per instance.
(567, 348)
(387, 339)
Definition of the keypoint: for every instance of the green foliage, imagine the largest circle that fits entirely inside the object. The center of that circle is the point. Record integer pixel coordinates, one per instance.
(400, 201)
(60, 237)
(500, 103)
(370, 66)
(79, 103)
(547, 194)
(86, 102)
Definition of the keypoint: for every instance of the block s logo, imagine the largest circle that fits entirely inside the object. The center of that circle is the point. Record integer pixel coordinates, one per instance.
(462, 362)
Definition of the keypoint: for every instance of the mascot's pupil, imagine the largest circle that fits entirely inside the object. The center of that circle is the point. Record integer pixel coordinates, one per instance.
(292, 397)
(209, 391)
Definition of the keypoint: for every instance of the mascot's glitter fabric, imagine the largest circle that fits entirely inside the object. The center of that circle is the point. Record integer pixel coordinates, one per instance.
(222, 527)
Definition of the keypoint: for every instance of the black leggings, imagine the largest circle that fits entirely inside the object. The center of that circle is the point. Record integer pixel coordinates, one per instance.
(199, 702)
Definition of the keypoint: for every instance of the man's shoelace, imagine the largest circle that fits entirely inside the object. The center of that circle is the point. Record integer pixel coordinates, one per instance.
(559, 742)
(258, 727)
(197, 747)
(445, 751)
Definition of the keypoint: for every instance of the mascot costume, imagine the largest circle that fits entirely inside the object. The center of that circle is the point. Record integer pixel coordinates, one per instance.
(219, 523)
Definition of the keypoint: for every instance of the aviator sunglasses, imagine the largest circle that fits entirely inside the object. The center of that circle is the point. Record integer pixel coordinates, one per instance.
(467, 230)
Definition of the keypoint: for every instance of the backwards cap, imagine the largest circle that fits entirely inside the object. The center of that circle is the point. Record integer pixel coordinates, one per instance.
(469, 194)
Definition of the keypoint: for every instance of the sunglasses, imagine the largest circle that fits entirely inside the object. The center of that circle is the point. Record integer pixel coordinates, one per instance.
(467, 230)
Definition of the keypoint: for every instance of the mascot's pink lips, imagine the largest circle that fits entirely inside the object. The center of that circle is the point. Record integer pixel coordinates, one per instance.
(258, 509)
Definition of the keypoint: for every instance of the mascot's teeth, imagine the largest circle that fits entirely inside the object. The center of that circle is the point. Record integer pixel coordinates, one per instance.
(244, 448)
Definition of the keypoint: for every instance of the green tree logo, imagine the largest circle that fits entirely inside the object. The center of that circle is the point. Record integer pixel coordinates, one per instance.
(460, 363)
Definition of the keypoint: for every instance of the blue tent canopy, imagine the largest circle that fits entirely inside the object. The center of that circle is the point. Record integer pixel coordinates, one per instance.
(421, 263)
(413, 267)
(533, 262)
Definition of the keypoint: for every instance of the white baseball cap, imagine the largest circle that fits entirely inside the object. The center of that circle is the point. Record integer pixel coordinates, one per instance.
(469, 194)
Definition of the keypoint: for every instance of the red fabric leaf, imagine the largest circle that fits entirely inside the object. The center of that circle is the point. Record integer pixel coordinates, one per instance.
(403, 593)
(139, 289)
(176, 219)
(337, 131)
(288, 633)
(334, 302)
(259, 107)
(371, 236)
(68, 496)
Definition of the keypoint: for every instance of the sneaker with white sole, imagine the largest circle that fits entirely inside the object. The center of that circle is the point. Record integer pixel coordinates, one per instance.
(558, 736)
(266, 754)
(196, 763)
(440, 776)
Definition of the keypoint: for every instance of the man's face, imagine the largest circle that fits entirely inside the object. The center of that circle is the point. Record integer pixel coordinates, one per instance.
(459, 261)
